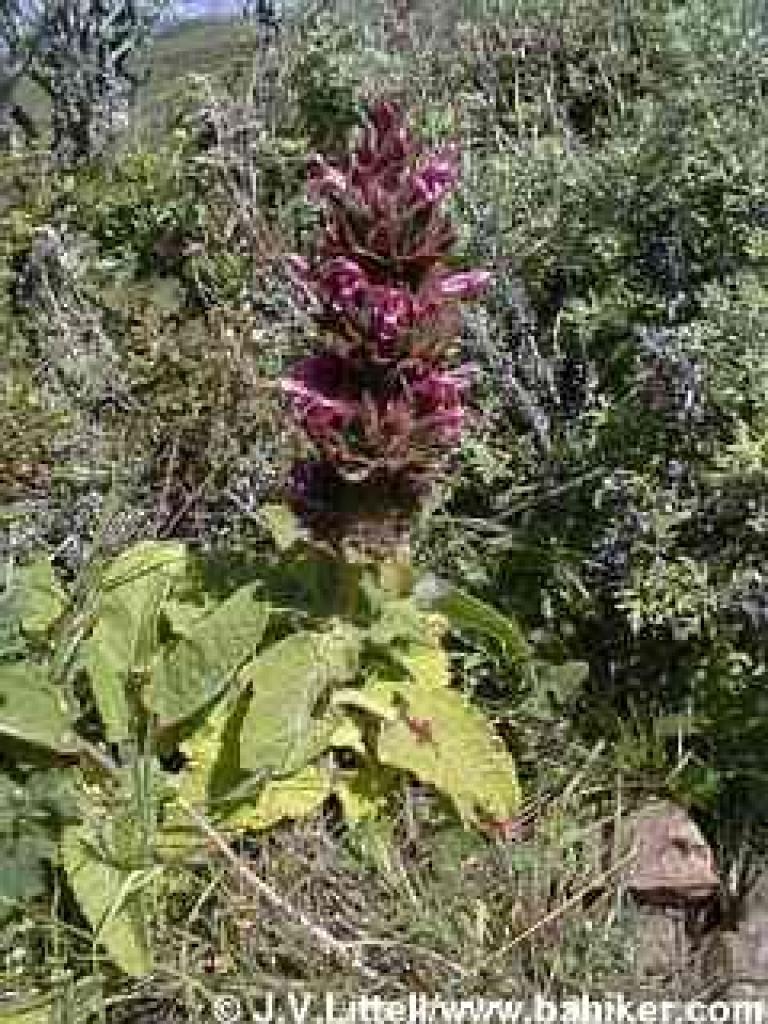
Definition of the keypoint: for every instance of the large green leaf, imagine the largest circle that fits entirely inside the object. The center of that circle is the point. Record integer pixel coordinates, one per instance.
(427, 665)
(200, 665)
(184, 617)
(41, 597)
(32, 710)
(122, 640)
(212, 772)
(213, 777)
(442, 741)
(287, 681)
(466, 612)
(109, 897)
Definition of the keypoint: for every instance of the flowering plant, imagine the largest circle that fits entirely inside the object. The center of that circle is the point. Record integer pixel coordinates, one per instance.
(381, 404)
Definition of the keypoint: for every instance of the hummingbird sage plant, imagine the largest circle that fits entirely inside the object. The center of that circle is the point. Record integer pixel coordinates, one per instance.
(382, 403)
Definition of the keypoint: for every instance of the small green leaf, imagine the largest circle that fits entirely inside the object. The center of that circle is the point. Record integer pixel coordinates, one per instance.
(282, 524)
(22, 876)
(40, 1011)
(363, 698)
(107, 894)
(399, 620)
(122, 641)
(32, 710)
(346, 735)
(553, 685)
(464, 611)
(145, 559)
(293, 798)
(365, 793)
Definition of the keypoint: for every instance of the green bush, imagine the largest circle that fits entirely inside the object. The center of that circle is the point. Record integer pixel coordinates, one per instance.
(614, 488)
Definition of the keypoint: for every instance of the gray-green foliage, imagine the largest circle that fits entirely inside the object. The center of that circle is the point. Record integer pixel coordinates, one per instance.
(616, 483)
(88, 65)
(85, 55)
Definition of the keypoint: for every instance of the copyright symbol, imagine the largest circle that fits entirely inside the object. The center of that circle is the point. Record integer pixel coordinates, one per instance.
(227, 1010)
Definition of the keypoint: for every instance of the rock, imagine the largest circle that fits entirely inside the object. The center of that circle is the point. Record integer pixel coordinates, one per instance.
(673, 865)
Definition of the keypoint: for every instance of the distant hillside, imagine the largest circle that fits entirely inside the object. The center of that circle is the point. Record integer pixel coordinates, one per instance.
(202, 46)
(217, 8)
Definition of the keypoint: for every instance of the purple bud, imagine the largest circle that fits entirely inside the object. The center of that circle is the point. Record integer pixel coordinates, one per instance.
(437, 177)
(466, 285)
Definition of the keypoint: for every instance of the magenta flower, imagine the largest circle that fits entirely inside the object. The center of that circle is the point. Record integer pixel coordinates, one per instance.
(468, 285)
(325, 180)
(391, 314)
(341, 282)
(380, 406)
(439, 402)
(437, 178)
(320, 400)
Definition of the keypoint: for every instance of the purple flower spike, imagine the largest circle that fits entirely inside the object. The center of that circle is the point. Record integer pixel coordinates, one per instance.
(379, 404)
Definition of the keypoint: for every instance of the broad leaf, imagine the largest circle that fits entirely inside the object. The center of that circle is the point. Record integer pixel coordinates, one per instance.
(201, 664)
(282, 524)
(333, 730)
(428, 667)
(212, 770)
(184, 617)
(289, 799)
(287, 680)
(32, 710)
(465, 612)
(442, 741)
(107, 895)
(213, 774)
(122, 641)
(202, 750)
